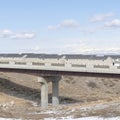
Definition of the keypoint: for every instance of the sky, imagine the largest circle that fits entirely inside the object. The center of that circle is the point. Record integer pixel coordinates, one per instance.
(60, 26)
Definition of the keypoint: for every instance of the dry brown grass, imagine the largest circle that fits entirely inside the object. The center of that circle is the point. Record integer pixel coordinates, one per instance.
(77, 92)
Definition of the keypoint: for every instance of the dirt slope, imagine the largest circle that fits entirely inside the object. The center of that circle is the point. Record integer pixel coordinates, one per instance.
(20, 96)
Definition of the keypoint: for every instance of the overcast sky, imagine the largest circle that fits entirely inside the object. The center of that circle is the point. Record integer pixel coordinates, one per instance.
(60, 26)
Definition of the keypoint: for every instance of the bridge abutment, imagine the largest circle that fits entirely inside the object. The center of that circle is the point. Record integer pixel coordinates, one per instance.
(43, 80)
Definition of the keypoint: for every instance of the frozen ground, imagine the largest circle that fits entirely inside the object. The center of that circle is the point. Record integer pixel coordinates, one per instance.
(84, 118)
(9, 119)
(71, 118)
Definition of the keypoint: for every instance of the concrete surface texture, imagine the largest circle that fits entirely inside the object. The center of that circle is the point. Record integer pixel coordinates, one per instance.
(69, 63)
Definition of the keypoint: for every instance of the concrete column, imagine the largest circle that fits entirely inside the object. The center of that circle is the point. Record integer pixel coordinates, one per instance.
(44, 91)
(55, 92)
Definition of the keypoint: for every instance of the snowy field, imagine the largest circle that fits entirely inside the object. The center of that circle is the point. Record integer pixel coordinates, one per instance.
(71, 118)
(84, 118)
(9, 119)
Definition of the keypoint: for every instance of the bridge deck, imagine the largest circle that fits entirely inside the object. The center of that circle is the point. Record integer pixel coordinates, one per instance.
(55, 64)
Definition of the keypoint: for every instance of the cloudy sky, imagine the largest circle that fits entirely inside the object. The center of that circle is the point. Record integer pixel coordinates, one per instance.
(60, 26)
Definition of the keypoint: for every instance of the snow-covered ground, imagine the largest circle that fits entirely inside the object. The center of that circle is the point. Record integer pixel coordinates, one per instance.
(71, 118)
(9, 119)
(84, 118)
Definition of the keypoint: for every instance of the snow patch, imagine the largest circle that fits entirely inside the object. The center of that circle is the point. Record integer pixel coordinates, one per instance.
(84, 118)
(98, 107)
(9, 119)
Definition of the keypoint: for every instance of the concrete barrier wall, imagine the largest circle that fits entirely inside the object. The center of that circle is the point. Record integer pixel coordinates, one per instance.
(78, 65)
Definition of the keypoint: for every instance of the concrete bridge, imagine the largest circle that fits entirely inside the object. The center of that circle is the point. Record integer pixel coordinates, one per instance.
(50, 68)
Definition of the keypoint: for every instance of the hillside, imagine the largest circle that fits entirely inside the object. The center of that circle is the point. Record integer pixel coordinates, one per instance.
(20, 96)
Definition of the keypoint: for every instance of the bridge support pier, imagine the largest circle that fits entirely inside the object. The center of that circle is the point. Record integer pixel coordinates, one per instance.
(44, 89)
(55, 91)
